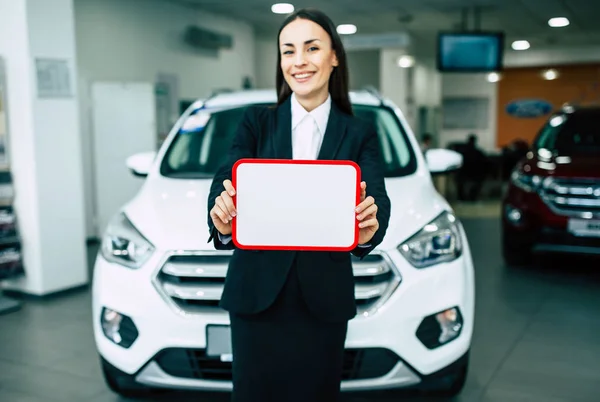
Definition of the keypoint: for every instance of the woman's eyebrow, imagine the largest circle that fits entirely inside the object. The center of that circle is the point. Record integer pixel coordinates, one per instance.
(305, 42)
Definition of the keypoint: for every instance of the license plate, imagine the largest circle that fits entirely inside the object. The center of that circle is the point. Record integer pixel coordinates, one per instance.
(584, 227)
(218, 342)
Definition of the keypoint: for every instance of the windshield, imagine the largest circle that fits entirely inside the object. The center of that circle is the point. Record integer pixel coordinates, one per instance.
(203, 142)
(576, 134)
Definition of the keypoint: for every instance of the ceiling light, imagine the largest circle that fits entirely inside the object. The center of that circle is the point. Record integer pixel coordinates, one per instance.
(520, 45)
(493, 77)
(346, 29)
(558, 22)
(406, 61)
(550, 74)
(282, 8)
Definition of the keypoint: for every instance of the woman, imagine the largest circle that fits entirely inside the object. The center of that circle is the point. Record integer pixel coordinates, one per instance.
(289, 310)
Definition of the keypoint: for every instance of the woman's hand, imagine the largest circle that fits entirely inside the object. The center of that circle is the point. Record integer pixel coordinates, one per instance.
(224, 210)
(366, 215)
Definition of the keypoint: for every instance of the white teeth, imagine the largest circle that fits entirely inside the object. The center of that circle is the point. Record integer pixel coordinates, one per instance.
(301, 76)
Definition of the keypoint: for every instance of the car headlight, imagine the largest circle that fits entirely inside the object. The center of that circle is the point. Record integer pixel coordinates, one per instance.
(438, 241)
(529, 183)
(124, 245)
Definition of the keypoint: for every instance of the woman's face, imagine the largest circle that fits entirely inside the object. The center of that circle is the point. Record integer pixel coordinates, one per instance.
(307, 58)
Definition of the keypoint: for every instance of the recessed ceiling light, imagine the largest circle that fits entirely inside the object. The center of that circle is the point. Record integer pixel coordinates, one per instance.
(282, 8)
(558, 22)
(520, 45)
(493, 77)
(406, 61)
(346, 29)
(550, 74)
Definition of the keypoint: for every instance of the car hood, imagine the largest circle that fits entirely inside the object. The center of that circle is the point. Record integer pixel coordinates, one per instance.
(172, 213)
(581, 166)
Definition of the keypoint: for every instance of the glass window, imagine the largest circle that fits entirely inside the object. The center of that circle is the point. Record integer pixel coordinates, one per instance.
(580, 134)
(395, 148)
(202, 143)
(205, 137)
(547, 136)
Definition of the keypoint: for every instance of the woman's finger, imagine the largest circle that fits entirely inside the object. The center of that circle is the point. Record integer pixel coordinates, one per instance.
(368, 223)
(220, 202)
(228, 202)
(229, 187)
(370, 211)
(365, 204)
(363, 191)
(218, 213)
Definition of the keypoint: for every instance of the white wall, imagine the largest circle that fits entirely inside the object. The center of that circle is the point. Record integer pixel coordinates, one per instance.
(364, 68)
(125, 40)
(471, 85)
(265, 62)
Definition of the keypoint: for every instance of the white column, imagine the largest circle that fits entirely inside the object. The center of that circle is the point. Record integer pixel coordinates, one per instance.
(393, 79)
(37, 42)
(397, 83)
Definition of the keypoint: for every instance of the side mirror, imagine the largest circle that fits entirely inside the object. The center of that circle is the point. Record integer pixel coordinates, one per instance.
(443, 160)
(140, 164)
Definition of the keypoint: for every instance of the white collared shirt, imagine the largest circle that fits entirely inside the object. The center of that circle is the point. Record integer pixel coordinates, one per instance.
(308, 128)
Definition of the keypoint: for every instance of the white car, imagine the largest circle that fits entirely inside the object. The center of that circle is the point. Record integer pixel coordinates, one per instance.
(157, 281)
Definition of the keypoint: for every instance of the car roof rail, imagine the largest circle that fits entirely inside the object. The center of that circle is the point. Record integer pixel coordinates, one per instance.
(373, 91)
(219, 91)
(213, 95)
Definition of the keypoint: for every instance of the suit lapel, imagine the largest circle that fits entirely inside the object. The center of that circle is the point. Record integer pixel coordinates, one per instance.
(283, 131)
(334, 134)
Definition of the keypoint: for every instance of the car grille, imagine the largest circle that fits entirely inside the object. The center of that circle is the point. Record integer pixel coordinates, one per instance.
(573, 197)
(359, 364)
(193, 283)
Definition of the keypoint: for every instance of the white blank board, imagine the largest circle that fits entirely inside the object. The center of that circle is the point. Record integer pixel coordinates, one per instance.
(296, 205)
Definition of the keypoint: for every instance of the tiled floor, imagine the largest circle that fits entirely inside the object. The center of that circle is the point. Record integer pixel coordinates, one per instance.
(536, 338)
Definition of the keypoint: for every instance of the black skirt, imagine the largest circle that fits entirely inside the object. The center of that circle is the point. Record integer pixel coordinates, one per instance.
(285, 354)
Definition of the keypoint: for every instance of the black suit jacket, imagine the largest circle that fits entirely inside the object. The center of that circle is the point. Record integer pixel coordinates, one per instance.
(255, 277)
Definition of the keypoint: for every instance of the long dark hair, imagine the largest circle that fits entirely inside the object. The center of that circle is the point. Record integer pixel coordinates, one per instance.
(338, 81)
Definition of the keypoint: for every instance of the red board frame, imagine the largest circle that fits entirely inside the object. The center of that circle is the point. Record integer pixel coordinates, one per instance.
(297, 162)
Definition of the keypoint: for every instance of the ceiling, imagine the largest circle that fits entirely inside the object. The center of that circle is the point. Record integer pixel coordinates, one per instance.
(519, 19)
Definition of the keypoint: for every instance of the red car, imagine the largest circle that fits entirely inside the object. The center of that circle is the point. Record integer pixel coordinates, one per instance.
(553, 200)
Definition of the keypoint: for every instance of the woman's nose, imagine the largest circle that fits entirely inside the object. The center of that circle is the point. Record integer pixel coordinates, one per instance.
(300, 60)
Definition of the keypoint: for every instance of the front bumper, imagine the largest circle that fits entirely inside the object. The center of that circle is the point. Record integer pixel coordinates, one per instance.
(391, 329)
(158, 373)
(540, 229)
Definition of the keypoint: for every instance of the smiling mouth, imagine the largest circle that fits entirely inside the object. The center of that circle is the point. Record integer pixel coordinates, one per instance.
(302, 76)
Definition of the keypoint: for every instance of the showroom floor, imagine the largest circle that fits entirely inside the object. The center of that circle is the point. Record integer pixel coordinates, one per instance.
(536, 337)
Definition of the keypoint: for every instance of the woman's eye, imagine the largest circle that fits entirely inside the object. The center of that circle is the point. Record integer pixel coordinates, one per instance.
(312, 49)
(288, 52)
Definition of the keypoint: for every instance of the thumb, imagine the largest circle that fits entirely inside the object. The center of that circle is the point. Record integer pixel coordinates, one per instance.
(363, 191)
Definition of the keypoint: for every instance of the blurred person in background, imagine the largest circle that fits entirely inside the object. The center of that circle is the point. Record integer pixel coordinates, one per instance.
(472, 174)
(427, 142)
